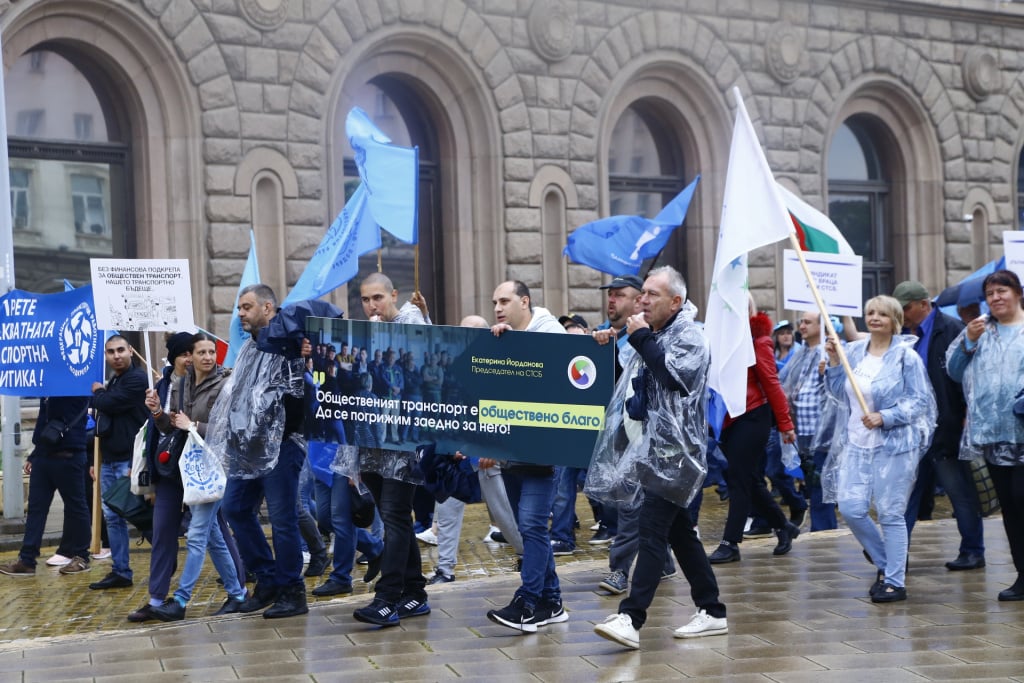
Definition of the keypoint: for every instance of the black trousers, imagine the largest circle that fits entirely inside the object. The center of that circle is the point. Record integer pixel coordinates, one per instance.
(743, 444)
(1009, 485)
(664, 524)
(401, 567)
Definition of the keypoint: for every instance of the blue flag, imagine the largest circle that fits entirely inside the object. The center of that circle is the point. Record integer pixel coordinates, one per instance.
(390, 175)
(250, 276)
(620, 244)
(50, 344)
(336, 260)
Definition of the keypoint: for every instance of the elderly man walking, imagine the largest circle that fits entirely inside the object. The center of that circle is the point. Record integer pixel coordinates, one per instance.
(663, 393)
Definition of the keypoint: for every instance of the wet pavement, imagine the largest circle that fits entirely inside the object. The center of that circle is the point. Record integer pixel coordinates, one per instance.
(802, 617)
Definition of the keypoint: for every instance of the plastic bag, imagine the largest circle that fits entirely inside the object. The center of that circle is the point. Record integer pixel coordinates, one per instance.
(790, 456)
(202, 476)
(141, 484)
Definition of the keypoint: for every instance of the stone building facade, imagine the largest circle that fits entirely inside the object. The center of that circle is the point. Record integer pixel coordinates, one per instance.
(905, 118)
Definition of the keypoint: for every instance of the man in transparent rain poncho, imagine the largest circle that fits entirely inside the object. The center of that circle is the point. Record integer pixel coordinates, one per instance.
(654, 444)
(252, 425)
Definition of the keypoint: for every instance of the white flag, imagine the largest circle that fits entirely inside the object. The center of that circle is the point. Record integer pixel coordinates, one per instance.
(753, 215)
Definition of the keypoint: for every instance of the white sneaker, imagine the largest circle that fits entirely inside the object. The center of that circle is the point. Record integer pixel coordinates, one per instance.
(596, 526)
(487, 536)
(619, 628)
(703, 624)
(427, 536)
(305, 557)
(58, 560)
(103, 554)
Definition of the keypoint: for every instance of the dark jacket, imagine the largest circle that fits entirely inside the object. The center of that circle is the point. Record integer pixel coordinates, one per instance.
(70, 409)
(949, 395)
(122, 410)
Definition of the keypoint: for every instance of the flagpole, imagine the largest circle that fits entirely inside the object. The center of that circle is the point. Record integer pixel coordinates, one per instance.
(380, 258)
(416, 267)
(830, 330)
(97, 463)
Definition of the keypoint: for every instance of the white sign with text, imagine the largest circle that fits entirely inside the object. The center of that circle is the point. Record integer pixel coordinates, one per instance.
(142, 294)
(1013, 247)
(838, 277)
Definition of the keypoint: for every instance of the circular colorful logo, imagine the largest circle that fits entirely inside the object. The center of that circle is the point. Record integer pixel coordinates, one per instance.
(582, 372)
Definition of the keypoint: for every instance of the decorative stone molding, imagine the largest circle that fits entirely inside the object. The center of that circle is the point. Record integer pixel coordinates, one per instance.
(784, 49)
(551, 25)
(266, 15)
(981, 72)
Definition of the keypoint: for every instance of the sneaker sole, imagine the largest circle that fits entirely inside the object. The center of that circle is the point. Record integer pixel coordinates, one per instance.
(417, 613)
(559, 618)
(562, 553)
(518, 626)
(18, 573)
(604, 541)
(701, 634)
(611, 589)
(608, 634)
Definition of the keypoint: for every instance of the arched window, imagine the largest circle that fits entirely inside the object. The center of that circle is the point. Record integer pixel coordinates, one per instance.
(645, 170)
(399, 112)
(69, 161)
(858, 199)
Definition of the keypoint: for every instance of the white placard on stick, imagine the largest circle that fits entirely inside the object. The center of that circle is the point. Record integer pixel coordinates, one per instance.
(142, 294)
(838, 277)
(1013, 247)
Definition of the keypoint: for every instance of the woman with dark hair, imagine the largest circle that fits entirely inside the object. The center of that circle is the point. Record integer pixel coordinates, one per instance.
(191, 399)
(743, 442)
(876, 455)
(988, 358)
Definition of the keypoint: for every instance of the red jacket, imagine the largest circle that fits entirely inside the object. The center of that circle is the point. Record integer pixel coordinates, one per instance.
(763, 378)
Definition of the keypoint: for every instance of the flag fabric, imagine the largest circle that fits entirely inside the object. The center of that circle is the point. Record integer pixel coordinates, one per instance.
(814, 230)
(237, 334)
(618, 245)
(753, 215)
(390, 175)
(336, 260)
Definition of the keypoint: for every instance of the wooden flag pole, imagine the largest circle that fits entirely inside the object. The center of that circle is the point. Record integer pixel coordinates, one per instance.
(830, 330)
(380, 259)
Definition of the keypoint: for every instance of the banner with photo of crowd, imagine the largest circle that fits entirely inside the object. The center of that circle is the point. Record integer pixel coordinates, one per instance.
(524, 396)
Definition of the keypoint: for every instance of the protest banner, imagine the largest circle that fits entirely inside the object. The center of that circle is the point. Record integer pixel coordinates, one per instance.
(142, 294)
(50, 344)
(523, 396)
(838, 277)
(1013, 247)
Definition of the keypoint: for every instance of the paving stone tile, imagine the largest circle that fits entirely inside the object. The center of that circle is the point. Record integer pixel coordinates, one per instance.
(850, 676)
(960, 672)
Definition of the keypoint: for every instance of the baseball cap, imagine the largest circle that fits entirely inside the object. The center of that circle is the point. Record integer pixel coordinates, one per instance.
(576, 319)
(781, 324)
(620, 281)
(910, 290)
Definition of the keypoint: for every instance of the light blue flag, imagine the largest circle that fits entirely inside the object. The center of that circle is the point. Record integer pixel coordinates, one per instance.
(618, 245)
(390, 175)
(250, 276)
(336, 260)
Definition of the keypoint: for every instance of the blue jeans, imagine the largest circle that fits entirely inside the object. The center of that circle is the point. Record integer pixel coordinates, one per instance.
(334, 511)
(51, 474)
(868, 474)
(953, 475)
(204, 534)
(540, 582)
(117, 528)
(823, 515)
(563, 508)
(280, 486)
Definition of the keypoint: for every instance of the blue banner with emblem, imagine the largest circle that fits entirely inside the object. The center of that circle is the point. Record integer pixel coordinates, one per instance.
(529, 397)
(49, 344)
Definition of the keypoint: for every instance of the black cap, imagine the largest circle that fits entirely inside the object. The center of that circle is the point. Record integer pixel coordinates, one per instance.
(576, 319)
(633, 281)
(177, 344)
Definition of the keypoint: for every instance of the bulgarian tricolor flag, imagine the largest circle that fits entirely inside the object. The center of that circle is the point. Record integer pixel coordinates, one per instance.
(814, 230)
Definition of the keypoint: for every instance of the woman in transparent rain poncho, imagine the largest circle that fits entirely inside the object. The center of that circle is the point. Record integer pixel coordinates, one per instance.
(988, 358)
(875, 456)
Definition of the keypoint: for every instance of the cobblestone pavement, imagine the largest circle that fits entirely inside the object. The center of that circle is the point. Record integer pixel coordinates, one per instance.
(802, 617)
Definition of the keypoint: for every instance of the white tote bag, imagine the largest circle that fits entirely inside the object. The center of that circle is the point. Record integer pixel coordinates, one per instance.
(140, 463)
(202, 474)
